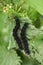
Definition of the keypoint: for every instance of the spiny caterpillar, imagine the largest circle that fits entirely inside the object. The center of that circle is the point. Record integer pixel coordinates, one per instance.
(15, 34)
(23, 37)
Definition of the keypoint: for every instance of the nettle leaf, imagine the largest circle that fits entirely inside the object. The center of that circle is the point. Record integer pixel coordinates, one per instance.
(30, 61)
(6, 30)
(37, 5)
(38, 45)
(8, 57)
(36, 42)
(32, 32)
(27, 59)
(3, 27)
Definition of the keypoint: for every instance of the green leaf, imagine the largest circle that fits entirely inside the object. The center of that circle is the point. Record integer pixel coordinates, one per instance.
(37, 43)
(27, 59)
(8, 57)
(6, 28)
(37, 5)
(30, 61)
(32, 13)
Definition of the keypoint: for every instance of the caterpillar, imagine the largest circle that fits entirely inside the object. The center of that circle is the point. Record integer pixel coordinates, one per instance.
(24, 39)
(15, 34)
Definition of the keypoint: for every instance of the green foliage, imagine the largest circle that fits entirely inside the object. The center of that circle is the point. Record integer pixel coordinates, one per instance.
(8, 57)
(30, 11)
(38, 5)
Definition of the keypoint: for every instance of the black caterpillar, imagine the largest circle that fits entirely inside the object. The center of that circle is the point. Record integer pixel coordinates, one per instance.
(15, 34)
(24, 39)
